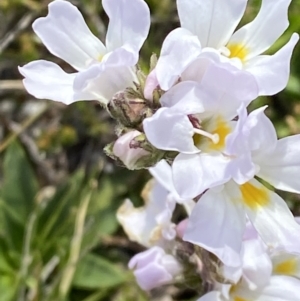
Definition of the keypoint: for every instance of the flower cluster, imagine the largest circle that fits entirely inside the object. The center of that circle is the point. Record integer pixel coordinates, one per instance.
(187, 121)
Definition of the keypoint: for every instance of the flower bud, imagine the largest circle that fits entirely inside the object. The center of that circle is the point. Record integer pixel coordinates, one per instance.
(128, 108)
(154, 268)
(123, 150)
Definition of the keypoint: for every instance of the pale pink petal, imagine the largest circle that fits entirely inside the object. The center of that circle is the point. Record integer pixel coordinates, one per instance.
(179, 49)
(128, 155)
(129, 23)
(150, 85)
(217, 224)
(66, 35)
(272, 71)
(46, 80)
(170, 131)
(270, 23)
(154, 268)
(213, 21)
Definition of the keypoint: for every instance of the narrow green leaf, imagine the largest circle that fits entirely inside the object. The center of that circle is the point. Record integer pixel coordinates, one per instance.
(94, 272)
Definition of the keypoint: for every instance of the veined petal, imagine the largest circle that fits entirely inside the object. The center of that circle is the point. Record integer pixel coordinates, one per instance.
(101, 83)
(129, 23)
(213, 21)
(179, 49)
(270, 216)
(281, 168)
(258, 35)
(272, 71)
(217, 224)
(66, 35)
(193, 174)
(46, 80)
(170, 131)
(287, 264)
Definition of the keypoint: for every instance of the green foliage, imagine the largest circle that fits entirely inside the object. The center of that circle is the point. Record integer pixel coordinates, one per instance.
(47, 231)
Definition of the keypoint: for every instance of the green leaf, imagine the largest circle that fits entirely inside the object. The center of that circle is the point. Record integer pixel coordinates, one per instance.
(7, 288)
(94, 272)
(17, 193)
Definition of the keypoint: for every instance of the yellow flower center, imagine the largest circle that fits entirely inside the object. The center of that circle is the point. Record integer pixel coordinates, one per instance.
(237, 51)
(213, 137)
(287, 267)
(239, 299)
(254, 197)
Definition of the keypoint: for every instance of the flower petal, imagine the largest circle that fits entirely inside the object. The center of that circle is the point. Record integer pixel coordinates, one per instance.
(270, 216)
(272, 71)
(281, 168)
(101, 83)
(287, 264)
(193, 174)
(170, 131)
(211, 296)
(262, 137)
(46, 80)
(66, 35)
(213, 21)
(129, 23)
(280, 288)
(258, 35)
(217, 224)
(179, 49)
(153, 219)
(257, 265)
(154, 268)
(190, 98)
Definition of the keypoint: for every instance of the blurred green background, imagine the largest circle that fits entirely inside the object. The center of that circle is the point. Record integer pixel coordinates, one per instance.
(59, 238)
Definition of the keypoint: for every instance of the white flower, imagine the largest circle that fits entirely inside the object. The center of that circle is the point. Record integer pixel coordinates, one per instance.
(151, 224)
(228, 205)
(195, 120)
(103, 70)
(260, 277)
(208, 26)
(154, 218)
